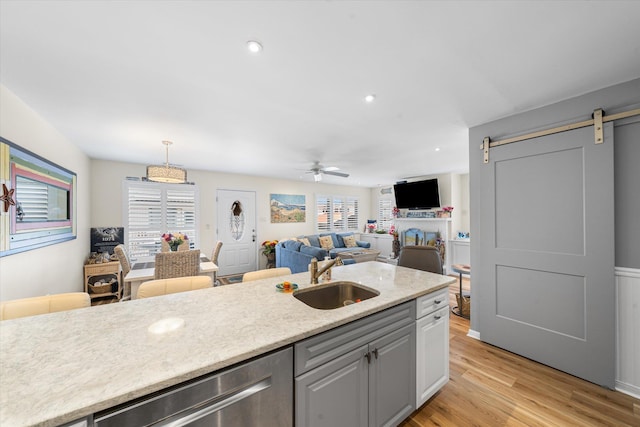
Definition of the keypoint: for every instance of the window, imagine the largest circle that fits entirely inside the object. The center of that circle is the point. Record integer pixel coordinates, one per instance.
(336, 213)
(385, 214)
(151, 209)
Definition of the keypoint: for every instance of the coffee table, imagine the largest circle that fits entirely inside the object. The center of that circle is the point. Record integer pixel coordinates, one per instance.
(360, 255)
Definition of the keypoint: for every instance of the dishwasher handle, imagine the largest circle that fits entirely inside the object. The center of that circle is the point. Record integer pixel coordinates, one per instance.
(214, 405)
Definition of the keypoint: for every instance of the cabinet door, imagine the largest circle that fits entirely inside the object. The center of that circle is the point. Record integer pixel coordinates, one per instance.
(334, 394)
(392, 377)
(432, 354)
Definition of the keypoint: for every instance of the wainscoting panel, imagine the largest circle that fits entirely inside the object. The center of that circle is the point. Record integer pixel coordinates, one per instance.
(628, 327)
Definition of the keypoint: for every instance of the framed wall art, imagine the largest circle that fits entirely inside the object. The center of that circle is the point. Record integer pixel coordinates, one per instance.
(38, 205)
(287, 208)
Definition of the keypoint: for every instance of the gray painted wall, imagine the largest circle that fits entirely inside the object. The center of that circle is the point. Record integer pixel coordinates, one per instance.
(621, 97)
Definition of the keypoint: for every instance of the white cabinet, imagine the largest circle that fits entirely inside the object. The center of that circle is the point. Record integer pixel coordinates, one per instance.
(380, 242)
(360, 374)
(432, 344)
(460, 251)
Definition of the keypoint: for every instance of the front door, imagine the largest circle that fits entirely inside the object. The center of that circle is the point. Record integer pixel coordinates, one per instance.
(546, 260)
(236, 227)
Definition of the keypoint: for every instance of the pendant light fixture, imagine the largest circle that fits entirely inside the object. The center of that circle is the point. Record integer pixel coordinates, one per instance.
(166, 173)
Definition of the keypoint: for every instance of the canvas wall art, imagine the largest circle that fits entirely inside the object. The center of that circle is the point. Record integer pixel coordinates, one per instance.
(287, 208)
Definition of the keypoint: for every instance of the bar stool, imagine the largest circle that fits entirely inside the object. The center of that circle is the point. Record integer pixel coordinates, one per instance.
(464, 304)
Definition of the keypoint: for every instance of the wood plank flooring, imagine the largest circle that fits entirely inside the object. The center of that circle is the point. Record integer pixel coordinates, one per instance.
(492, 387)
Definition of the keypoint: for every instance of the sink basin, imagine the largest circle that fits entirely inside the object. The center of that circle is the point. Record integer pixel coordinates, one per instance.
(333, 295)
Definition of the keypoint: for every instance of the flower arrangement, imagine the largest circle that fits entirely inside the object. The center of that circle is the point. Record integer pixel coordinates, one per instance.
(395, 212)
(174, 239)
(269, 246)
(447, 208)
(393, 232)
(371, 227)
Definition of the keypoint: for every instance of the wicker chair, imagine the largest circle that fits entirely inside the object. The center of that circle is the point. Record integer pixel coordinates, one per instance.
(125, 264)
(177, 264)
(159, 287)
(44, 304)
(426, 258)
(266, 273)
(216, 252)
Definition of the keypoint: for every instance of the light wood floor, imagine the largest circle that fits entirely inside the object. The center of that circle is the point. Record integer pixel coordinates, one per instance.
(492, 387)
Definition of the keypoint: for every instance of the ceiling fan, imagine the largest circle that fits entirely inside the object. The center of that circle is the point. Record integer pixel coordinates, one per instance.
(317, 169)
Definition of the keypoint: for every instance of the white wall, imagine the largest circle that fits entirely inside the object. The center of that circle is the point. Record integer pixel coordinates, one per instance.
(56, 268)
(106, 199)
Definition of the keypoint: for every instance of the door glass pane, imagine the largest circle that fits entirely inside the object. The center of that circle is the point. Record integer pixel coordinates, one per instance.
(236, 221)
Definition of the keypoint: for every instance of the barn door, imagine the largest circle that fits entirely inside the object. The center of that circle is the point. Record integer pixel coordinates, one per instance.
(547, 252)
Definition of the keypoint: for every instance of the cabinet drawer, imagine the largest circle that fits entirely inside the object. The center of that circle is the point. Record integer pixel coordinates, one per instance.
(100, 269)
(320, 349)
(431, 302)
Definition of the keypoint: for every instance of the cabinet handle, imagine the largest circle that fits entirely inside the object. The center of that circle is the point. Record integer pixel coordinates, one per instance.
(437, 317)
(375, 352)
(437, 301)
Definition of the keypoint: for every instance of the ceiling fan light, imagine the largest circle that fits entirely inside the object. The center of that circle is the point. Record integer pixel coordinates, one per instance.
(317, 177)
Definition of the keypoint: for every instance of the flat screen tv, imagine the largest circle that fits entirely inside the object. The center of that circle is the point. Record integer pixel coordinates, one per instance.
(417, 195)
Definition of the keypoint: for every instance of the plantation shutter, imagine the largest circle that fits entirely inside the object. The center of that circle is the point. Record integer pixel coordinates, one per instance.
(323, 214)
(352, 214)
(385, 215)
(152, 209)
(336, 213)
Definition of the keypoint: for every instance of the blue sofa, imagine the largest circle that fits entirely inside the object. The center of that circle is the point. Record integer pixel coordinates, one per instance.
(297, 256)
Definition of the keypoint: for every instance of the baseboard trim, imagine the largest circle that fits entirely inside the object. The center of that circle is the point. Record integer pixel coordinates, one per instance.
(627, 272)
(629, 389)
(474, 334)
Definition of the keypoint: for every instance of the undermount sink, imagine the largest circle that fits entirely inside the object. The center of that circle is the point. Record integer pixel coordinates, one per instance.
(333, 295)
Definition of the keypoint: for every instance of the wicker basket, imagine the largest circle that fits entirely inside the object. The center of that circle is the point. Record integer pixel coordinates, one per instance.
(100, 288)
(464, 306)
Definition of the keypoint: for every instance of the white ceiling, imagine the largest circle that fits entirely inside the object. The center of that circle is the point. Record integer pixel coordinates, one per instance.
(117, 78)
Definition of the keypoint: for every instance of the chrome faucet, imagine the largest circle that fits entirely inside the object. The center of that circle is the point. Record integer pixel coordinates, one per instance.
(315, 273)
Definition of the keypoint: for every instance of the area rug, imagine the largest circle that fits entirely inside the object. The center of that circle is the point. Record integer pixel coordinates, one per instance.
(230, 280)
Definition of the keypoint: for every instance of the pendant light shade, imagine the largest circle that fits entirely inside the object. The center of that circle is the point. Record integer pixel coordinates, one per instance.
(166, 173)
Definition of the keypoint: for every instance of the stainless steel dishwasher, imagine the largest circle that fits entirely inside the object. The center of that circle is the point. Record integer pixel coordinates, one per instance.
(257, 393)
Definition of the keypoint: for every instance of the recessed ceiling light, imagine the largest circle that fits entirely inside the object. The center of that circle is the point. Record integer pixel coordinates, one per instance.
(254, 46)
(438, 149)
(370, 98)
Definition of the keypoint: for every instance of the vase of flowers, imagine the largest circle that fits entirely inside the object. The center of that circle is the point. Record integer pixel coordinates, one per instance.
(174, 240)
(269, 250)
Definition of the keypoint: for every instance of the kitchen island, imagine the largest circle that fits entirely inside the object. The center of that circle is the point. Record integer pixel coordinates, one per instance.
(60, 367)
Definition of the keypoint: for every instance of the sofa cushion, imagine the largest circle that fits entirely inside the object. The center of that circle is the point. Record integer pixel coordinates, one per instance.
(350, 241)
(326, 242)
(318, 253)
(304, 241)
(341, 236)
(313, 239)
(292, 245)
(336, 243)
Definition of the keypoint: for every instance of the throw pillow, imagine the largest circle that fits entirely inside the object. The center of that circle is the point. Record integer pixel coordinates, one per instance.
(326, 242)
(304, 241)
(350, 241)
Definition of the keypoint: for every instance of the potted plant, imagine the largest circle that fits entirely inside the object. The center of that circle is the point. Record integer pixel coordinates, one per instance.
(269, 250)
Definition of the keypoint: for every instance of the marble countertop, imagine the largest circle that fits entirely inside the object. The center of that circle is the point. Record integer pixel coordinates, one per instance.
(59, 367)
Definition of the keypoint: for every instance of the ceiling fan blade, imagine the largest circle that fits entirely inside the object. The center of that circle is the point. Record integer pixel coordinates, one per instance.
(342, 174)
